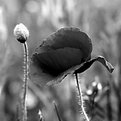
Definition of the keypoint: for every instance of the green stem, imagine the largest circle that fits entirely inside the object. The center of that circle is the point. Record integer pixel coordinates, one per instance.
(81, 99)
(25, 83)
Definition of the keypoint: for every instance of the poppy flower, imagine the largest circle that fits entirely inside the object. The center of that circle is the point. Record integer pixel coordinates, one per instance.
(64, 52)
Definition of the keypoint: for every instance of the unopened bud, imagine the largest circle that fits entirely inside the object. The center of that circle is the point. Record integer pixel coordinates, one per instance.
(21, 32)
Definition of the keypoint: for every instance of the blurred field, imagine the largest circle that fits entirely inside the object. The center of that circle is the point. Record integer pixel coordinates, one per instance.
(100, 19)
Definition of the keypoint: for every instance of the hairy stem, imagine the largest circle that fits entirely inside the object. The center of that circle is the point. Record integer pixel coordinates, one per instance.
(25, 83)
(81, 99)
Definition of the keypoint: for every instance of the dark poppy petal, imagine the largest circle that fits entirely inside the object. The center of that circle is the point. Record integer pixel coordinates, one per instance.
(54, 62)
(100, 59)
(57, 61)
(103, 61)
(69, 37)
(66, 48)
(81, 68)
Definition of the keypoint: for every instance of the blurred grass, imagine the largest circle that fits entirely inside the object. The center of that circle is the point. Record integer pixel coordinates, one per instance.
(101, 19)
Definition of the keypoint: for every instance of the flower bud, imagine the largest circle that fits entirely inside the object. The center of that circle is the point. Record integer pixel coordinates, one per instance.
(21, 32)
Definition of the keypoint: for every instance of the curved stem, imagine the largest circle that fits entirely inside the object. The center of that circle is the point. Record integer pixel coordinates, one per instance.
(81, 99)
(25, 83)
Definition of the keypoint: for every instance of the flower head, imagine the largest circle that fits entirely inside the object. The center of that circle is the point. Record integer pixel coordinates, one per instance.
(21, 32)
(59, 52)
(66, 51)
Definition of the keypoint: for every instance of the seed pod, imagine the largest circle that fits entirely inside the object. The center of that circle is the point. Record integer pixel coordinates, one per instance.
(21, 33)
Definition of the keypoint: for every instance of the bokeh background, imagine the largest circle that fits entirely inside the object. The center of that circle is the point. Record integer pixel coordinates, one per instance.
(101, 20)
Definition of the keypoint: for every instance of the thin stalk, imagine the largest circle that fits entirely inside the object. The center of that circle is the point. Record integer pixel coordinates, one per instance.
(81, 99)
(117, 93)
(119, 81)
(57, 112)
(109, 108)
(17, 112)
(25, 82)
